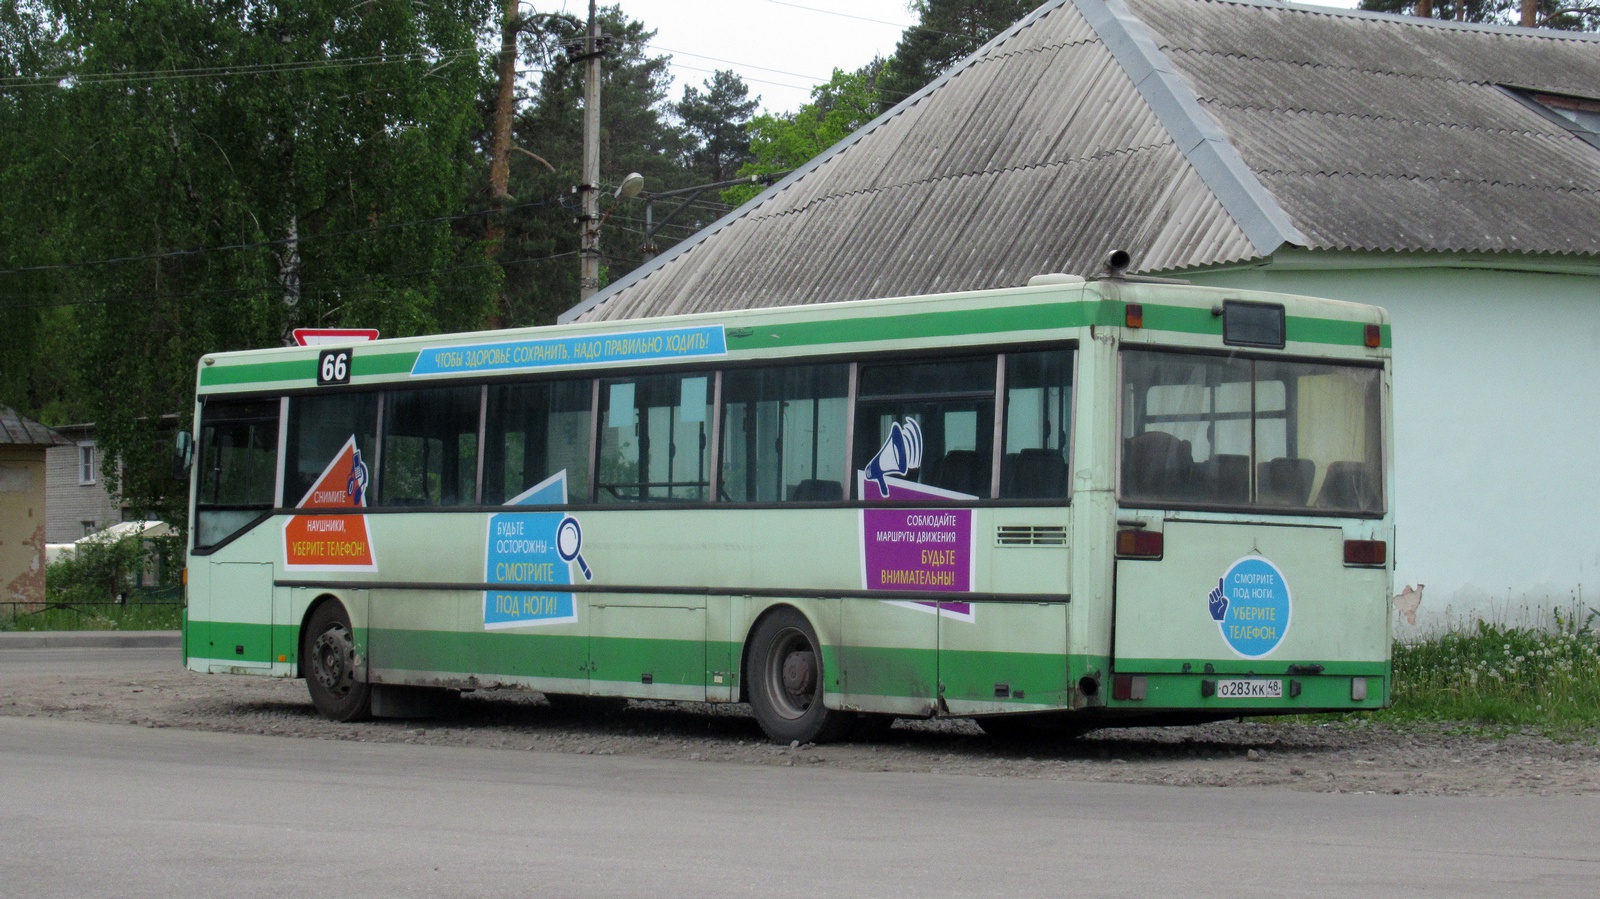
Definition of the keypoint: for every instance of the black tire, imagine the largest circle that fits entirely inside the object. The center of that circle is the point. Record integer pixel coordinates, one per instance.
(329, 664)
(785, 678)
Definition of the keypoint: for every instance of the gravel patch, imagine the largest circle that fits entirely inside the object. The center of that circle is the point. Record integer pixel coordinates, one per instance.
(1335, 757)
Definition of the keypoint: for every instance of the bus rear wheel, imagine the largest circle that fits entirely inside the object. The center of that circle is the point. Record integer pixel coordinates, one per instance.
(786, 679)
(330, 666)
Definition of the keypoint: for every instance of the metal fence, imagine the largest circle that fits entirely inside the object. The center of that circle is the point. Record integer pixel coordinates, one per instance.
(137, 606)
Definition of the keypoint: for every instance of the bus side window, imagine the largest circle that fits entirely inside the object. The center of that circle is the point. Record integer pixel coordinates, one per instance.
(952, 402)
(1038, 420)
(319, 428)
(536, 443)
(655, 434)
(783, 433)
(430, 447)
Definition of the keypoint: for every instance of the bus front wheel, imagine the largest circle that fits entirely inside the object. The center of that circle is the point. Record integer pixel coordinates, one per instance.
(786, 679)
(330, 666)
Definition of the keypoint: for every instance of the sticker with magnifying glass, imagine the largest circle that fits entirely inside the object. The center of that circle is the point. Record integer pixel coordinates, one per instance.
(528, 561)
(569, 545)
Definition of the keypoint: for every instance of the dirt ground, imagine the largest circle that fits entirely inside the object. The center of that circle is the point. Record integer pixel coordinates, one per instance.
(1333, 757)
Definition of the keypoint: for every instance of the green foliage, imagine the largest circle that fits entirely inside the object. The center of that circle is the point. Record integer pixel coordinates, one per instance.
(540, 252)
(1551, 14)
(104, 571)
(213, 173)
(781, 143)
(1503, 676)
(947, 32)
(715, 122)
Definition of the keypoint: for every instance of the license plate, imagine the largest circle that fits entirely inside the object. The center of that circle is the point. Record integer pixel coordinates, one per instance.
(1249, 689)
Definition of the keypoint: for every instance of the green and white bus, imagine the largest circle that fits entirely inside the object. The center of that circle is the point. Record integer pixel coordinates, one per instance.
(1060, 506)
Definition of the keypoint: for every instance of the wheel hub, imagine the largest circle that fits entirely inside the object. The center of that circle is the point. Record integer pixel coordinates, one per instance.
(332, 653)
(799, 673)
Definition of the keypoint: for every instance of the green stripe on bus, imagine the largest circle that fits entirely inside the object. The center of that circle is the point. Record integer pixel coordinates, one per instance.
(1299, 328)
(238, 642)
(259, 372)
(305, 369)
(1238, 667)
(914, 325)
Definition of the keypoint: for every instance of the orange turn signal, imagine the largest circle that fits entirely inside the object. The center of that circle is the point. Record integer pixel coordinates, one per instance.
(1369, 553)
(1134, 315)
(1374, 336)
(1138, 543)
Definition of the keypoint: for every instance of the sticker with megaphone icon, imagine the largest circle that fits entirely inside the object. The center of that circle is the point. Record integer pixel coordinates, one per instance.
(900, 453)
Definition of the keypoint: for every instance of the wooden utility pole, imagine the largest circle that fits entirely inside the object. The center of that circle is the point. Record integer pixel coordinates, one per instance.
(592, 51)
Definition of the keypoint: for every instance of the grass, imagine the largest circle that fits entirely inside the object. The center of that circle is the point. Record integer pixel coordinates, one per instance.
(135, 615)
(1504, 677)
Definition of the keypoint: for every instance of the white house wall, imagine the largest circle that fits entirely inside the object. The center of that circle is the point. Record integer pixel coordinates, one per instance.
(1497, 440)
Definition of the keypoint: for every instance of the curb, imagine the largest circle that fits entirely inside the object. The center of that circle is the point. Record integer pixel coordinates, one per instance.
(90, 639)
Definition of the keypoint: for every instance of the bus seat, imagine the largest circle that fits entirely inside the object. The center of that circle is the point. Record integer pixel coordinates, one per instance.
(1157, 464)
(1285, 481)
(1348, 485)
(1230, 478)
(959, 471)
(1008, 477)
(812, 490)
(1036, 474)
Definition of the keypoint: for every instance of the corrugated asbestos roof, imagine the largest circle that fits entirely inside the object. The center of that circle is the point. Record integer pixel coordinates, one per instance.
(1188, 132)
(1394, 134)
(19, 430)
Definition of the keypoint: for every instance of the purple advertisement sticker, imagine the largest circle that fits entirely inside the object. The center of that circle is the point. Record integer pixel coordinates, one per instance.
(919, 551)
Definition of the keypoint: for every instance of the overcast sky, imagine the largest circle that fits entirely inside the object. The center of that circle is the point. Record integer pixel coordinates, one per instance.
(781, 48)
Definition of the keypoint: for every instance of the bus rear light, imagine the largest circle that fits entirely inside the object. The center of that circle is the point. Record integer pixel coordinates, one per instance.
(1358, 689)
(1374, 336)
(1129, 687)
(1134, 315)
(1139, 543)
(1371, 553)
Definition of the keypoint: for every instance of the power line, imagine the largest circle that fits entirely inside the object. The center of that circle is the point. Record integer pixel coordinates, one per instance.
(272, 68)
(297, 241)
(274, 287)
(845, 15)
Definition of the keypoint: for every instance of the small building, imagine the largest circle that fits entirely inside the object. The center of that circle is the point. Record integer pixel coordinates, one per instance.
(79, 503)
(1448, 172)
(23, 444)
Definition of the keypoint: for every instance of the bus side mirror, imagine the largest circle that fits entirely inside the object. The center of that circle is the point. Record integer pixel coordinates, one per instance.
(182, 456)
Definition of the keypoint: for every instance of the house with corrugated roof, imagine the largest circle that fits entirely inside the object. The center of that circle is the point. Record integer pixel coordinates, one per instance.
(23, 443)
(1448, 172)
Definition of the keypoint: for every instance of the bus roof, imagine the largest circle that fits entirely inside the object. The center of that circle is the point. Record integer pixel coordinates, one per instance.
(1172, 313)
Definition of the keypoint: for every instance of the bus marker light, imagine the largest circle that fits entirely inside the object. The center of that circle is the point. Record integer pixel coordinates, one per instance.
(1372, 553)
(1139, 544)
(1129, 686)
(1134, 315)
(1358, 689)
(1374, 336)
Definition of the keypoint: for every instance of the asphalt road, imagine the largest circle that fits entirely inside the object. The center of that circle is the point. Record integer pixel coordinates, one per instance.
(117, 811)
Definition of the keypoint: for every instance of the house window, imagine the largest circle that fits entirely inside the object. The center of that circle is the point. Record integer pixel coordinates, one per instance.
(89, 527)
(1580, 115)
(86, 471)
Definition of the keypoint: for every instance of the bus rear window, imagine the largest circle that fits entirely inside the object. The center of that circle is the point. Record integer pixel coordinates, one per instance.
(1229, 431)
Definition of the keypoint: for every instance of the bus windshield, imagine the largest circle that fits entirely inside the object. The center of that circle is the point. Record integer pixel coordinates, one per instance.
(1210, 430)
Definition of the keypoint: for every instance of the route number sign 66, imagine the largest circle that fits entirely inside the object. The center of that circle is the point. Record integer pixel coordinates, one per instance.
(333, 367)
